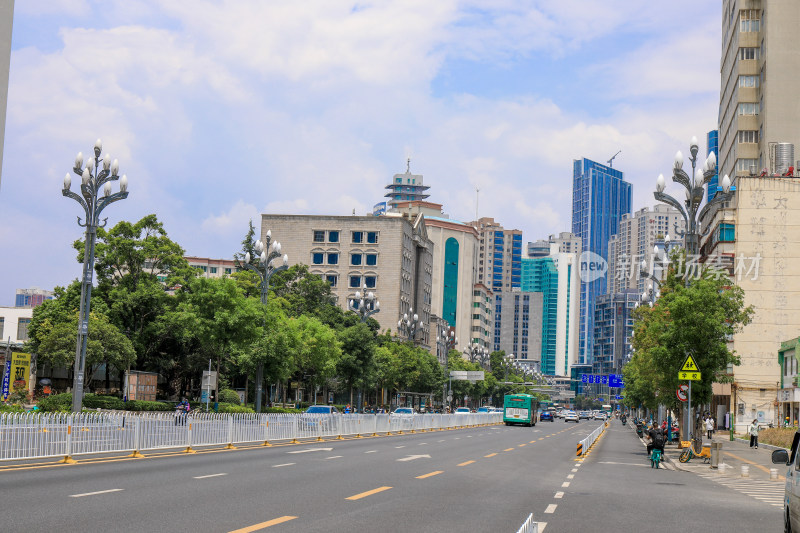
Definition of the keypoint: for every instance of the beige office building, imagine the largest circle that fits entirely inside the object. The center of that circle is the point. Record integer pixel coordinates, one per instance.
(390, 255)
(758, 99)
(754, 237)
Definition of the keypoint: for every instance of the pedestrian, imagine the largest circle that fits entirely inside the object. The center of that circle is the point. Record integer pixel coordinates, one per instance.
(181, 410)
(753, 430)
(347, 409)
(710, 426)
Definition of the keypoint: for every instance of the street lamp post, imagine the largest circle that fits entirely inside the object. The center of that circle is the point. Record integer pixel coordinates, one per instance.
(265, 269)
(93, 181)
(365, 306)
(476, 353)
(409, 325)
(690, 209)
(446, 340)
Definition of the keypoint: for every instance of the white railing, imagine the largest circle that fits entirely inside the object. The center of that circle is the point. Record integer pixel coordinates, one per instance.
(36, 435)
(529, 526)
(585, 444)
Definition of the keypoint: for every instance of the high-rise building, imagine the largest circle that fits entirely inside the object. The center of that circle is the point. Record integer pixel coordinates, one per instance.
(634, 242)
(32, 297)
(712, 146)
(567, 244)
(406, 187)
(482, 321)
(758, 102)
(557, 277)
(600, 196)
(520, 326)
(389, 255)
(455, 254)
(613, 325)
(499, 265)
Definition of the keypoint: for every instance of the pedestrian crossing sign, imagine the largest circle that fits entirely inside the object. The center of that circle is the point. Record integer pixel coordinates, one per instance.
(689, 365)
(689, 376)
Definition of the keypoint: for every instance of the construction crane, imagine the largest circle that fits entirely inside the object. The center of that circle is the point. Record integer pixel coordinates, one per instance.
(610, 161)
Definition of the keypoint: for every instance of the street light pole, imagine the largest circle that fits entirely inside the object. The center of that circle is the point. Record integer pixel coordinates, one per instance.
(690, 210)
(409, 325)
(93, 180)
(446, 341)
(265, 269)
(365, 306)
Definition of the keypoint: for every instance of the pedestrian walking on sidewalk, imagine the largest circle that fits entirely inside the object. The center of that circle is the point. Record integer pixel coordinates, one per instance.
(753, 430)
(710, 426)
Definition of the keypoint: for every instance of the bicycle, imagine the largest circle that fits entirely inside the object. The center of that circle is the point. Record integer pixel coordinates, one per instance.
(655, 458)
(689, 453)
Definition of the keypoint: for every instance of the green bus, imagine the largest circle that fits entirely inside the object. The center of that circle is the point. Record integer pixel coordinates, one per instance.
(520, 409)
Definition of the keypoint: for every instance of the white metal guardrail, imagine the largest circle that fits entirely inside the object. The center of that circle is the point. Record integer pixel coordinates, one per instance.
(588, 442)
(529, 526)
(38, 435)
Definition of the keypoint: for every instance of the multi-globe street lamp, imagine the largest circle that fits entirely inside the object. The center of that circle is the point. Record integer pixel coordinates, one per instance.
(690, 209)
(409, 325)
(263, 266)
(364, 305)
(477, 354)
(93, 181)
(446, 340)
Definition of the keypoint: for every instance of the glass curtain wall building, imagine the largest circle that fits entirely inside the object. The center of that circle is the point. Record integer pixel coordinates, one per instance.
(541, 275)
(600, 196)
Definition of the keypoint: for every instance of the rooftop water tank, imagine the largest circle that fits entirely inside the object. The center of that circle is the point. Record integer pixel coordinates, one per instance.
(784, 157)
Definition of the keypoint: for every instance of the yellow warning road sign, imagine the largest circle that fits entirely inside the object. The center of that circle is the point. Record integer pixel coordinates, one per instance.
(689, 365)
(689, 376)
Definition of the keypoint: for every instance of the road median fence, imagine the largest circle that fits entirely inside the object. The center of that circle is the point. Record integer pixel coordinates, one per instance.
(41, 435)
(584, 445)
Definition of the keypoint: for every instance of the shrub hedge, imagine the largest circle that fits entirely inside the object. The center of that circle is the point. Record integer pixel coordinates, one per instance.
(229, 396)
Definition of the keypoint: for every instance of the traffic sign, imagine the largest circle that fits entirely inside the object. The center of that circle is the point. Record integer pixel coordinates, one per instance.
(682, 392)
(689, 365)
(689, 376)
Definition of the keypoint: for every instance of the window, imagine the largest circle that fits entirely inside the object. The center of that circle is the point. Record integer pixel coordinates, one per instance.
(369, 281)
(746, 165)
(749, 52)
(2, 326)
(227, 270)
(213, 270)
(748, 81)
(372, 259)
(355, 259)
(333, 259)
(372, 237)
(22, 328)
(748, 136)
(332, 279)
(333, 236)
(748, 108)
(204, 268)
(319, 236)
(398, 180)
(317, 258)
(355, 281)
(358, 237)
(749, 20)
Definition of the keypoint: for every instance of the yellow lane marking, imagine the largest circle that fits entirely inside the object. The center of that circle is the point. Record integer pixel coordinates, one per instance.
(490, 455)
(532, 442)
(368, 493)
(521, 445)
(541, 438)
(264, 525)
(764, 468)
(430, 474)
(508, 449)
(465, 463)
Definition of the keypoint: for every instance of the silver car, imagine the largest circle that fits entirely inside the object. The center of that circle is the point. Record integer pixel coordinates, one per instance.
(791, 498)
(571, 416)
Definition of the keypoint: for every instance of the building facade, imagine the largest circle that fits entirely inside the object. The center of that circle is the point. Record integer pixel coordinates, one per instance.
(600, 196)
(520, 326)
(789, 393)
(406, 187)
(557, 277)
(212, 268)
(758, 104)
(32, 297)
(482, 320)
(390, 255)
(712, 147)
(613, 325)
(567, 243)
(14, 322)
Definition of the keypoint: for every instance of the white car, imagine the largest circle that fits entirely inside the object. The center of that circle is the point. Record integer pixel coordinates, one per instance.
(463, 410)
(571, 416)
(600, 416)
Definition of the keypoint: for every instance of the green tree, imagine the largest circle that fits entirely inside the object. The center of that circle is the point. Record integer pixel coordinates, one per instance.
(315, 350)
(357, 367)
(248, 281)
(304, 293)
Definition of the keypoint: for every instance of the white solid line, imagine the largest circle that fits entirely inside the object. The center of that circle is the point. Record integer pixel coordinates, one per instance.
(571, 476)
(284, 464)
(551, 509)
(440, 440)
(422, 443)
(209, 475)
(93, 493)
(565, 484)
(559, 495)
(371, 451)
(334, 457)
(400, 446)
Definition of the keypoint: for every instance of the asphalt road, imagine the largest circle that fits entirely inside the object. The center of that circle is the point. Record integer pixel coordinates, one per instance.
(473, 480)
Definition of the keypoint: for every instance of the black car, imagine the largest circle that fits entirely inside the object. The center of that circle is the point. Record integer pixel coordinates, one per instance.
(546, 415)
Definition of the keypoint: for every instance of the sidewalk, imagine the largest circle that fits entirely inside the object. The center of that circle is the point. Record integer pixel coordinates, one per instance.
(734, 454)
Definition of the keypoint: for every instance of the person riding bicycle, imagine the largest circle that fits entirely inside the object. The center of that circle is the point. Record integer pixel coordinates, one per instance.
(655, 435)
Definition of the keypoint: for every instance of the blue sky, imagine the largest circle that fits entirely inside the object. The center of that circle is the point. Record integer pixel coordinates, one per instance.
(222, 110)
